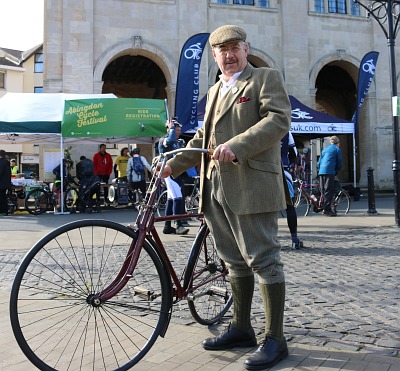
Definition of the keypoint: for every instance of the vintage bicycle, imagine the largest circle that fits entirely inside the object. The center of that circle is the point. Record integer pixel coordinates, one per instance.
(94, 294)
(309, 195)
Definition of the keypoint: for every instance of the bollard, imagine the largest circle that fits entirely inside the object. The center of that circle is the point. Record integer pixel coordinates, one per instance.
(371, 192)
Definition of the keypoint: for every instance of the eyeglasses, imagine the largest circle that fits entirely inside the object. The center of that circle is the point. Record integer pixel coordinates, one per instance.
(223, 50)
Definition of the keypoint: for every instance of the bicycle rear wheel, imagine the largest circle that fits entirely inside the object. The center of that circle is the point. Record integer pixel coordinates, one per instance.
(71, 198)
(207, 280)
(162, 203)
(302, 204)
(341, 202)
(54, 317)
(37, 202)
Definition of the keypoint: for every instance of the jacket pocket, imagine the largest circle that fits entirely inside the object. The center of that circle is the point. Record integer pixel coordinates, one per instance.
(264, 166)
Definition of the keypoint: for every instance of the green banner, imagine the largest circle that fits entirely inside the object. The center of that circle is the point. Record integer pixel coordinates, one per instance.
(114, 117)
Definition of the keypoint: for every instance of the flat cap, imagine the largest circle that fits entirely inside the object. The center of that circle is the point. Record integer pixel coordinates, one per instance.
(226, 34)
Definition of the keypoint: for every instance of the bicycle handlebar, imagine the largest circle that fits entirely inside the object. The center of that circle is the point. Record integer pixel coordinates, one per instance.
(180, 150)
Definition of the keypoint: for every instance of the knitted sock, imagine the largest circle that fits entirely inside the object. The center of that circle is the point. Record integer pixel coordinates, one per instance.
(274, 305)
(242, 292)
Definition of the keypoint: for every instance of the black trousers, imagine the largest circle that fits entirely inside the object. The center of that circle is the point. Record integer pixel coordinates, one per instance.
(327, 182)
(3, 202)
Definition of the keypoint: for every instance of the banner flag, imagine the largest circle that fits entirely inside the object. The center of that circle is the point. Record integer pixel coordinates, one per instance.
(114, 117)
(187, 85)
(365, 76)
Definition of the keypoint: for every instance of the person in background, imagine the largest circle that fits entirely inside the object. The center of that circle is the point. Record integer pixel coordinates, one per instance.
(14, 168)
(288, 145)
(103, 167)
(243, 189)
(329, 164)
(175, 202)
(84, 169)
(5, 182)
(121, 163)
(135, 172)
(66, 173)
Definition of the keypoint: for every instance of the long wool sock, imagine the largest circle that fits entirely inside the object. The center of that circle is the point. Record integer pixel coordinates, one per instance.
(242, 292)
(274, 305)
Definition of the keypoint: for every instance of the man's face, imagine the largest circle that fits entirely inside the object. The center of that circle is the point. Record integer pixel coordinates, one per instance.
(102, 149)
(231, 57)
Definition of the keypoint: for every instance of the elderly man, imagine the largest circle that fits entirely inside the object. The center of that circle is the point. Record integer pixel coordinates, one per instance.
(242, 188)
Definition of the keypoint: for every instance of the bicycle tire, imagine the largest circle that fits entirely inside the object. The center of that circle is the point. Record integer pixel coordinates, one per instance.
(208, 298)
(51, 311)
(341, 202)
(192, 202)
(37, 201)
(162, 203)
(302, 204)
(71, 198)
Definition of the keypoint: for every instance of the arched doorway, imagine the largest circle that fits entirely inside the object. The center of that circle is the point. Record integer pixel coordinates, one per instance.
(134, 77)
(336, 95)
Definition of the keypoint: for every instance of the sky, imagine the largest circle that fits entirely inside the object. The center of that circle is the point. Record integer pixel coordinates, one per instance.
(21, 25)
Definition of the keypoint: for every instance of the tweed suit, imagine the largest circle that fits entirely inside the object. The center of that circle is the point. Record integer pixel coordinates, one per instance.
(253, 118)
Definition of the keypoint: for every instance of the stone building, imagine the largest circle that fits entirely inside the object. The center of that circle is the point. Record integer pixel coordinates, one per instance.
(131, 48)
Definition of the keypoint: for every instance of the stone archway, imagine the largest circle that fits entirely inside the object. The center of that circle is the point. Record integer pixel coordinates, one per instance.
(132, 55)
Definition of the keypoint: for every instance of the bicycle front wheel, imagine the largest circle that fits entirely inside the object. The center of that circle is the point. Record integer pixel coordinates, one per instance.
(302, 204)
(54, 315)
(37, 202)
(206, 278)
(341, 202)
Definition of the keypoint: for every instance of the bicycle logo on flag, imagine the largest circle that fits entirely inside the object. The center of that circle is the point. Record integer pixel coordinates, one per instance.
(193, 51)
(369, 67)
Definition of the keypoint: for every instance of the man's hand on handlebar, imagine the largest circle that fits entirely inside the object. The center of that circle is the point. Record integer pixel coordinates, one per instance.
(223, 153)
(167, 171)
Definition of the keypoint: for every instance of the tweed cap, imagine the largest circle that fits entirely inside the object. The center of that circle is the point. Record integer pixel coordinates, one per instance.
(226, 34)
(334, 139)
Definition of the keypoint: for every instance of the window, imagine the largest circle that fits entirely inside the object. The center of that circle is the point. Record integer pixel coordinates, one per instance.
(355, 9)
(319, 6)
(39, 63)
(263, 3)
(337, 6)
(2, 80)
(38, 89)
(244, 2)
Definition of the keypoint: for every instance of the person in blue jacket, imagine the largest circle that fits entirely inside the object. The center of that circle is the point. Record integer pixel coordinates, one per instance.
(329, 165)
(175, 202)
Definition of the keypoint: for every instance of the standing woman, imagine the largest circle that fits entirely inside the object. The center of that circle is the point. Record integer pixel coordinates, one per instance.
(174, 190)
(5, 182)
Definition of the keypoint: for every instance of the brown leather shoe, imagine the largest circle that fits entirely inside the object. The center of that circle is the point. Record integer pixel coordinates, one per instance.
(231, 338)
(268, 354)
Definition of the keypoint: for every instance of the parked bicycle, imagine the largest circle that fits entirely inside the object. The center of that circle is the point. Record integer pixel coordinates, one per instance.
(191, 201)
(94, 294)
(308, 195)
(48, 198)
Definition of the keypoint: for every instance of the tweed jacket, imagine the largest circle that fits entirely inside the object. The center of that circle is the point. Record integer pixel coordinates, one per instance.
(252, 120)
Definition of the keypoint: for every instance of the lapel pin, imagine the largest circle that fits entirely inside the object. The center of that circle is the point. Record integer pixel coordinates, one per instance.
(234, 90)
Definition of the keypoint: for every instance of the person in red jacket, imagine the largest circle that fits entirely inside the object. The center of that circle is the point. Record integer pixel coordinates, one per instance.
(103, 166)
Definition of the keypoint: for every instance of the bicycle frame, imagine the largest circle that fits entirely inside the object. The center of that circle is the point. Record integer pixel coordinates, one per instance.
(144, 225)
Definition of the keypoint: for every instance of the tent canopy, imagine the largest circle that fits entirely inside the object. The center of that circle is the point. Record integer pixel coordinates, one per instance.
(305, 120)
(36, 118)
(316, 124)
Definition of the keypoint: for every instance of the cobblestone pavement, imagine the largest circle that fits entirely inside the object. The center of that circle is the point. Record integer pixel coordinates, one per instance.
(342, 288)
